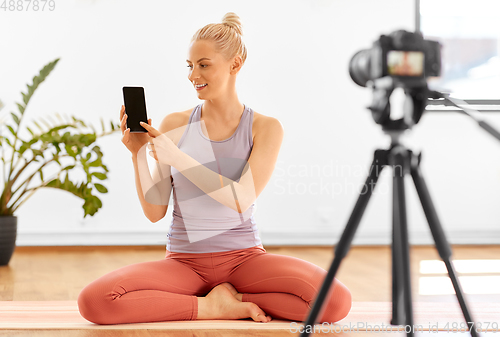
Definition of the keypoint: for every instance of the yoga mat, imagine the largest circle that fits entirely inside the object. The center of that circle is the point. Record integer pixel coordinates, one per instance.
(364, 316)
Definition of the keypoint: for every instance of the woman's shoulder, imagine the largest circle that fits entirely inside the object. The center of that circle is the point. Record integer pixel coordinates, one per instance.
(174, 124)
(175, 120)
(261, 121)
(263, 125)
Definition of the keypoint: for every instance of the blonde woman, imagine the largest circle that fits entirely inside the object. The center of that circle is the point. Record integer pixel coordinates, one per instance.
(217, 158)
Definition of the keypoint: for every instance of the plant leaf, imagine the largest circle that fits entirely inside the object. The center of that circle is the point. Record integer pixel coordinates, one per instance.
(95, 163)
(37, 152)
(38, 125)
(44, 72)
(26, 98)
(99, 175)
(97, 150)
(21, 108)
(56, 159)
(15, 118)
(101, 188)
(11, 130)
(45, 122)
(91, 204)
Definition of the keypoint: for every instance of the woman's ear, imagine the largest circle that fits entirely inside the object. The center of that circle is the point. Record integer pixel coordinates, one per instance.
(236, 65)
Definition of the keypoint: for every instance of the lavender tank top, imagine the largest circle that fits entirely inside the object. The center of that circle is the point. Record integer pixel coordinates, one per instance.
(200, 224)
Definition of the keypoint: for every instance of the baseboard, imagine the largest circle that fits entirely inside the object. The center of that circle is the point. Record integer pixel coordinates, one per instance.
(270, 238)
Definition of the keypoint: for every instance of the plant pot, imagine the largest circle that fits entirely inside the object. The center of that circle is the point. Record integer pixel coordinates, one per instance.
(8, 234)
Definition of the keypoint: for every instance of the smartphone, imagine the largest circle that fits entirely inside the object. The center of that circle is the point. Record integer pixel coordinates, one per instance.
(135, 108)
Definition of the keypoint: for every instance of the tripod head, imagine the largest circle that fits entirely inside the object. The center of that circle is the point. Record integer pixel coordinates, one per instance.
(416, 92)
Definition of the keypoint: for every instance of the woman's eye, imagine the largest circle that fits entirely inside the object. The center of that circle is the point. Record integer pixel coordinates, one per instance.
(202, 65)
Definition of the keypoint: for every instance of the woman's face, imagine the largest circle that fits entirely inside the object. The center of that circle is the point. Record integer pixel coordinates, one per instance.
(208, 67)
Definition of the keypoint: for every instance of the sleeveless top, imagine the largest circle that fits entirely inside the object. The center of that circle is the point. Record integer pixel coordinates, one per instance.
(201, 224)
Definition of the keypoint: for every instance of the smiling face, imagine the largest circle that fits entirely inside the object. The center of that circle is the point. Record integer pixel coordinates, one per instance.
(207, 66)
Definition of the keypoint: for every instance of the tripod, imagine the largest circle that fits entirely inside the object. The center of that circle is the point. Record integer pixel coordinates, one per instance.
(405, 161)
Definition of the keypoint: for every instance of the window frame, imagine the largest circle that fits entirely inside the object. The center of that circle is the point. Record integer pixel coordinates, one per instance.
(493, 105)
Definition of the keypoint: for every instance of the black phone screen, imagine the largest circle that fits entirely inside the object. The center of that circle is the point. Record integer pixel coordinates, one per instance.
(135, 108)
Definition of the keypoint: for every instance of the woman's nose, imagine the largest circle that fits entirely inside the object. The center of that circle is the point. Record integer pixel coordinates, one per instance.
(193, 75)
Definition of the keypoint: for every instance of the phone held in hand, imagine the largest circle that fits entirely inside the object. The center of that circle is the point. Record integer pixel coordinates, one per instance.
(135, 108)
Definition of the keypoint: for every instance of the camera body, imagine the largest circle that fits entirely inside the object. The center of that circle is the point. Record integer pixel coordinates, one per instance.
(405, 56)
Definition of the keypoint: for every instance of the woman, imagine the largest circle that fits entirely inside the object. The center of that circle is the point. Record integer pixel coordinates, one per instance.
(215, 266)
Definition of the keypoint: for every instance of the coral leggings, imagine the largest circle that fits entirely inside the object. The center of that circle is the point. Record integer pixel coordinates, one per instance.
(284, 287)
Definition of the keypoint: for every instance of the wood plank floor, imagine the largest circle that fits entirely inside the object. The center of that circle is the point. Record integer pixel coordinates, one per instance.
(59, 274)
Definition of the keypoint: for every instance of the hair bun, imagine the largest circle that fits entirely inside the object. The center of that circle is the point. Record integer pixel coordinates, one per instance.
(232, 20)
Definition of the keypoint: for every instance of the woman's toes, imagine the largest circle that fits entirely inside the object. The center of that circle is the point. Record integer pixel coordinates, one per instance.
(257, 314)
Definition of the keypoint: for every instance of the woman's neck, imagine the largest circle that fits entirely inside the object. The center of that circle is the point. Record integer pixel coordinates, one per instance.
(222, 112)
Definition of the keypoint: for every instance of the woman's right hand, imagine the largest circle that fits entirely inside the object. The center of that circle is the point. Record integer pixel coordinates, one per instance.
(133, 141)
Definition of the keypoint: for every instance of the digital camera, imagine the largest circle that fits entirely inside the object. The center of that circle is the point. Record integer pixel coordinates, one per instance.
(405, 56)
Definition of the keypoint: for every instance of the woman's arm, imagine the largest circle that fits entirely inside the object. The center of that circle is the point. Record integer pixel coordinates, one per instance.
(238, 196)
(154, 193)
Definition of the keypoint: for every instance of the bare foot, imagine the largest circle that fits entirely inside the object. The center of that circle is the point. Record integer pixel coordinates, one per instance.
(224, 305)
(233, 291)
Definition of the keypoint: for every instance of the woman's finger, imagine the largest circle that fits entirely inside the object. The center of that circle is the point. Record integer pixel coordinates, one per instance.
(152, 154)
(122, 112)
(147, 127)
(152, 131)
(123, 122)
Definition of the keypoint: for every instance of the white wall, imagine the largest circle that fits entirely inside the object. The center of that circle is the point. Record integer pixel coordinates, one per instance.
(296, 71)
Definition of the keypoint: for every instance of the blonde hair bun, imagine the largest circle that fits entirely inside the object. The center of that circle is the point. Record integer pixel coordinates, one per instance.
(232, 20)
(227, 36)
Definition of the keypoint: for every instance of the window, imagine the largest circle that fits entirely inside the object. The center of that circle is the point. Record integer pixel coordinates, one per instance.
(469, 32)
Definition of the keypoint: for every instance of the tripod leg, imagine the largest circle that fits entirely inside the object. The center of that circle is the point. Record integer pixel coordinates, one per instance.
(442, 245)
(400, 249)
(341, 249)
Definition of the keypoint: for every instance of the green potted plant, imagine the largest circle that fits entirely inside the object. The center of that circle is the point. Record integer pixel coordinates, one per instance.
(26, 160)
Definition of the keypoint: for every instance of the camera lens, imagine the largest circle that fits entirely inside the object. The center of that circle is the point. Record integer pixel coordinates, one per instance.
(359, 67)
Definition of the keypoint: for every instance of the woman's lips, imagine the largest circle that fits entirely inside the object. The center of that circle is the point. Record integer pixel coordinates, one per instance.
(200, 88)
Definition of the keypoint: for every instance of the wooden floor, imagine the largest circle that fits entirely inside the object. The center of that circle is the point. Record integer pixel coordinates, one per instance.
(59, 274)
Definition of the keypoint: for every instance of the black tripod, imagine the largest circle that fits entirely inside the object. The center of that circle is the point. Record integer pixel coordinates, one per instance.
(403, 161)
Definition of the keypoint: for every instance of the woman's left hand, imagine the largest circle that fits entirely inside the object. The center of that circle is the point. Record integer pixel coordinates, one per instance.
(163, 149)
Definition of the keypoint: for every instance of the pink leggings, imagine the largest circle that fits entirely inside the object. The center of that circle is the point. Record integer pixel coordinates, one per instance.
(284, 287)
